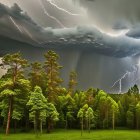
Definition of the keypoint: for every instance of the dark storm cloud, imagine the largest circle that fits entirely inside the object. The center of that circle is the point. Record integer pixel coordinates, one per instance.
(134, 33)
(34, 9)
(107, 14)
(87, 37)
(20, 20)
(15, 11)
(121, 25)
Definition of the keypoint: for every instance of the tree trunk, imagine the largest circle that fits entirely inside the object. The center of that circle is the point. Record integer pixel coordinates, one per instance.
(137, 122)
(41, 126)
(15, 126)
(35, 123)
(27, 120)
(107, 118)
(82, 126)
(89, 125)
(113, 120)
(66, 125)
(49, 126)
(9, 116)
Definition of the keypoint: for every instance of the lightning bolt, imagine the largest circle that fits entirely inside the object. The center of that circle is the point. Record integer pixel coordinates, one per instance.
(135, 69)
(21, 29)
(16, 25)
(60, 8)
(120, 82)
(52, 17)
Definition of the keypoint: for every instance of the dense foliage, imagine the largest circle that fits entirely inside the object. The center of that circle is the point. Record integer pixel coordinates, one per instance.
(32, 96)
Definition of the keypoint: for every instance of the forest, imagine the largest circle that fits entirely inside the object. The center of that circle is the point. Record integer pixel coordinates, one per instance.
(32, 97)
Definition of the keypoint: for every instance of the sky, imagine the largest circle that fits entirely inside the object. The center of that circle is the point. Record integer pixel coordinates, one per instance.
(106, 27)
(105, 14)
(106, 22)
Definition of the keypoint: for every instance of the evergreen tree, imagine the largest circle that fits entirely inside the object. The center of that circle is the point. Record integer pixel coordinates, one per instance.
(81, 114)
(52, 117)
(13, 85)
(52, 69)
(37, 76)
(38, 108)
(89, 117)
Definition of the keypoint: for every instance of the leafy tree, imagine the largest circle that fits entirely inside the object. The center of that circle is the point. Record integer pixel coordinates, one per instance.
(105, 109)
(70, 110)
(101, 108)
(80, 99)
(38, 106)
(81, 114)
(13, 84)
(123, 108)
(52, 116)
(66, 107)
(131, 112)
(134, 90)
(89, 117)
(52, 69)
(114, 110)
(130, 118)
(61, 107)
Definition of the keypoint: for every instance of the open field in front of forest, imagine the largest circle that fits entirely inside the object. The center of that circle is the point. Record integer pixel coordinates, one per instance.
(76, 135)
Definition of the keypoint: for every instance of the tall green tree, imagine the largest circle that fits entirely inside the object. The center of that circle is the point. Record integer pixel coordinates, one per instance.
(89, 117)
(38, 108)
(81, 114)
(114, 111)
(66, 107)
(52, 116)
(134, 90)
(13, 83)
(52, 69)
(123, 105)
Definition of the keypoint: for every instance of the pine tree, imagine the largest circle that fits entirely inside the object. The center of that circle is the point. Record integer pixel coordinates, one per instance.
(89, 117)
(37, 76)
(52, 69)
(13, 85)
(38, 108)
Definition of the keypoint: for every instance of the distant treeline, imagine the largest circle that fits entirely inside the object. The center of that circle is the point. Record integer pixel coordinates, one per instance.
(32, 96)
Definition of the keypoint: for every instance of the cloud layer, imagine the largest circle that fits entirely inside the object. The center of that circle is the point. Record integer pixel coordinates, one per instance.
(80, 37)
(106, 13)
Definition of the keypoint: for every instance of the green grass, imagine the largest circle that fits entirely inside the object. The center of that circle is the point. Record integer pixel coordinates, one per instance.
(76, 135)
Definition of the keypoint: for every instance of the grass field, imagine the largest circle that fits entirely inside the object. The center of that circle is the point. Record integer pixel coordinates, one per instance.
(76, 135)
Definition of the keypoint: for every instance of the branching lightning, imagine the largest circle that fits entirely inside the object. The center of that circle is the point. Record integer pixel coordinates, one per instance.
(120, 81)
(52, 2)
(134, 71)
(52, 17)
